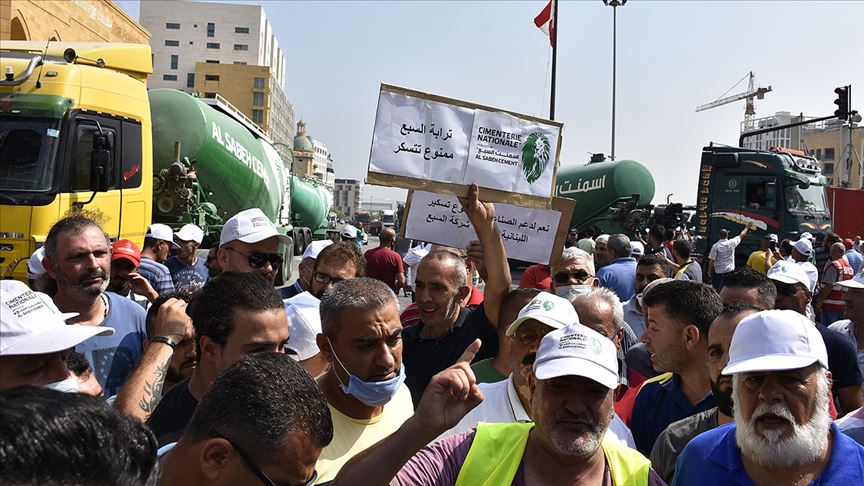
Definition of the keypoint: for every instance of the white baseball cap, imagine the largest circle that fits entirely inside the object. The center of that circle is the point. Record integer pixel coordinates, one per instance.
(637, 249)
(773, 237)
(34, 264)
(807, 235)
(250, 226)
(556, 312)
(304, 323)
(162, 232)
(315, 248)
(580, 351)
(190, 232)
(788, 272)
(856, 282)
(31, 324)
(804, 246)
(775, 340)
(348, 231)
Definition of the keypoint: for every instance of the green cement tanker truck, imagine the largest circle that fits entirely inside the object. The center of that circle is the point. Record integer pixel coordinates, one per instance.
(208, 166)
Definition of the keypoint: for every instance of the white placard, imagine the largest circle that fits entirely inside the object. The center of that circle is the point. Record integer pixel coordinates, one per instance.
(529, 234)
(440, 142)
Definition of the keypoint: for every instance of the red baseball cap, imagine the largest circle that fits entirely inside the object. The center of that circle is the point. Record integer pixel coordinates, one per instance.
(848, 243)
(126, 249)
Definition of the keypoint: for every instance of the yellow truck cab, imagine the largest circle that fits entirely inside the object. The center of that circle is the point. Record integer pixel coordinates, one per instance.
(75, 135)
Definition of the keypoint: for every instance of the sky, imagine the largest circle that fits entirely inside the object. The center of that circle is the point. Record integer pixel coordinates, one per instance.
(672, 56)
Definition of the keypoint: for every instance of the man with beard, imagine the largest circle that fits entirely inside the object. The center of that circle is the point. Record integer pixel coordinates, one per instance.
(337, 262)
(782, 433)
(574, 376)
(304, 270)
(510, 401)
(497, 369)
(679, 314)
(673, 440)
(234, 315)
(78, 258)
(602, 257)
(125, 280)
(447, 328)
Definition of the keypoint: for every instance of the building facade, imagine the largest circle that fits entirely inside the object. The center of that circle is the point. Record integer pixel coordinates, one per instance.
(837, 148)
(69, 20)
(346, 196)
(225, 49)
(312, 159)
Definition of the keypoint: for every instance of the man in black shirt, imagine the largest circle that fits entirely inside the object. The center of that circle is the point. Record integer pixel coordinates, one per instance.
(234, 315)
(445, 328)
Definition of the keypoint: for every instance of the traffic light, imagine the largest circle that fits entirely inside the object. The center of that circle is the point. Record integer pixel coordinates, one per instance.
(842, 102)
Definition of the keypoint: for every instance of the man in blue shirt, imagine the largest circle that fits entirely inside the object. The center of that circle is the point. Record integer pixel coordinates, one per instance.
(679, 314)
(619, 275)
(188, 272)
(783, 432)
(158, 242)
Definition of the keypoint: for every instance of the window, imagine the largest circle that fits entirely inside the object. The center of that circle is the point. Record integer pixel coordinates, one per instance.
(209, 95)
(211, 61)
(241, 63)
(828, 169)
(190, 80)
(819, 154)
(241, 30)
(82, 165)
(258, 116)
(258, 99)
(259, 83)
(172, 26)
(212, 45)
(828, 154)
(211, 29)
(169, 77)
(174, 59)
(241, 47)
(172, 43)
(211, 77)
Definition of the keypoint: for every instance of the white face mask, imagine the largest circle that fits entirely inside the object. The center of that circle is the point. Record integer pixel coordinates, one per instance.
(69, 385)
(570, 292)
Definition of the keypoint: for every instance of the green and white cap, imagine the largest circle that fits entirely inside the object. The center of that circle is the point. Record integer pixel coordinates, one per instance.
(578, 351)
(556, 312)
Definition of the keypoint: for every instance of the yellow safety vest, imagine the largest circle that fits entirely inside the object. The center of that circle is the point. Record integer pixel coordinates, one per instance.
(497, 451)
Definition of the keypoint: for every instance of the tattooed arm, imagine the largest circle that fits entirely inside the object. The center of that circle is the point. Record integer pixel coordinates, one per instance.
(143, 389)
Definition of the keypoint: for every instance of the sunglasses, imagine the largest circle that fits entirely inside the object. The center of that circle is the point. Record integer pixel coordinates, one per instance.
(786, 289)
(258, 259)
(257, 470)
(564, 277)
(326, 279)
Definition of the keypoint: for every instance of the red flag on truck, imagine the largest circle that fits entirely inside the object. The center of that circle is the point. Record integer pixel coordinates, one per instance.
(545, 21)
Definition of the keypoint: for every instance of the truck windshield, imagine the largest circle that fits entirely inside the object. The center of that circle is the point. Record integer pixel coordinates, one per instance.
(27, 149)
(810, 200)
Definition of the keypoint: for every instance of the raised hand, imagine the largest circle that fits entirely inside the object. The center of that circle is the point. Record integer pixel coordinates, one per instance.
(479, 213)
(450, 395)
(173, 322)
(141, 286)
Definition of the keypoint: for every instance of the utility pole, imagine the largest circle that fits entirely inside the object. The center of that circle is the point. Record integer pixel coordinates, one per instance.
(614, 4)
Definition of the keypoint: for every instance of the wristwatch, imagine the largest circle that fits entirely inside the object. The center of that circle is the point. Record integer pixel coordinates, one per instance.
(165, 340)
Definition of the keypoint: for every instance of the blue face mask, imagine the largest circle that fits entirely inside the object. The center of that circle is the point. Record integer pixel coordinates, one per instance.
(371, 393)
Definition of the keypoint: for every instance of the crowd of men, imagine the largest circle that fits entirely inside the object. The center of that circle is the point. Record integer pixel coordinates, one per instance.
(614, 365)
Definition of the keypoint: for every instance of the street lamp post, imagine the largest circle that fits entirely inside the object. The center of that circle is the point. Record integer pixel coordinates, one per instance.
(614, 4)
(290, 152)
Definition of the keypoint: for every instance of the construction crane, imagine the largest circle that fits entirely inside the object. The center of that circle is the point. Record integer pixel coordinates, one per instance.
(751, 93)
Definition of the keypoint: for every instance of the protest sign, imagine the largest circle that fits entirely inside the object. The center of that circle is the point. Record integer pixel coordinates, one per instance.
(438, 144)
(529, 234)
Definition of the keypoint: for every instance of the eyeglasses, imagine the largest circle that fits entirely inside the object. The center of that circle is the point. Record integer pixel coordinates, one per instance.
(258, 259)
(325, 279)
(250, 464)
(564, 277)
(785, 288)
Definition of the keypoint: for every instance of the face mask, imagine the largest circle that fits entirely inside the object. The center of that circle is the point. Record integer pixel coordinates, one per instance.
(570, 292)
(69, 385)
(371, 393)
(639, 299)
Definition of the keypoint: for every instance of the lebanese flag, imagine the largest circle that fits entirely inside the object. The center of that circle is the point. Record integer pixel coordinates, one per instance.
(544, 21)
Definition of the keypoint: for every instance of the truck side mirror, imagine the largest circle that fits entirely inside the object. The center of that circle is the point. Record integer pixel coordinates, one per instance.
(100, 164)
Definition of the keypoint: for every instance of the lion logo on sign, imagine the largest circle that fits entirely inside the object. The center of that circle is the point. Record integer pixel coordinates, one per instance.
(536, 153)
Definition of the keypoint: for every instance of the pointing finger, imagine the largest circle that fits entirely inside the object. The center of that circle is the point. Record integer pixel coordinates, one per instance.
(470, 352)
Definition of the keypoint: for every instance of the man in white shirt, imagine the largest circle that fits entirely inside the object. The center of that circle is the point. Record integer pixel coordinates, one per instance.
(721, 258)
(508, 401)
